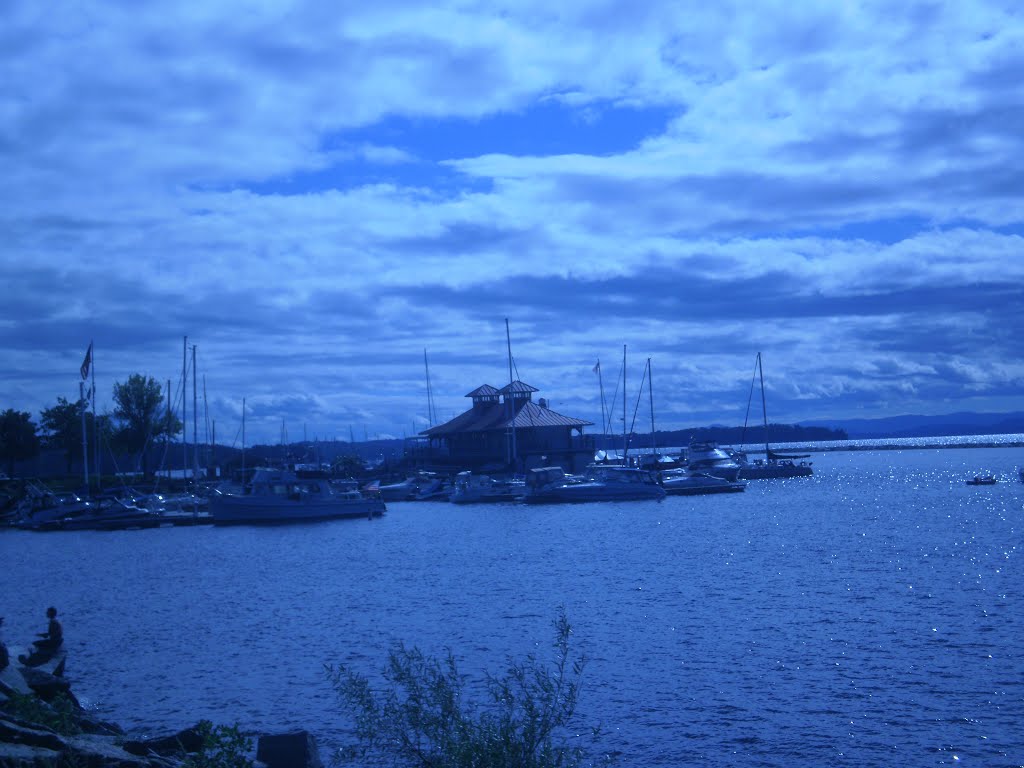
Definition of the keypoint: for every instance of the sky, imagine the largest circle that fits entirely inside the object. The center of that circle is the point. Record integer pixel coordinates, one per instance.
(334, 203)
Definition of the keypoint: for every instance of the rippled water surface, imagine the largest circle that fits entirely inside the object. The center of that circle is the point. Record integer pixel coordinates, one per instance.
(869, 615)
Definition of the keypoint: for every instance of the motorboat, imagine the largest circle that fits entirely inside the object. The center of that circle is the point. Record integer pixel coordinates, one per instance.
(281, 496)
(482, 489)
(982, 480)
(682, 482)
(550, 485)
(422, 487)
(709, 458)
(774, 466)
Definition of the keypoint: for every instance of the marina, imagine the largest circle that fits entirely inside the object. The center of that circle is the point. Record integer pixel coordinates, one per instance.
(865, 614)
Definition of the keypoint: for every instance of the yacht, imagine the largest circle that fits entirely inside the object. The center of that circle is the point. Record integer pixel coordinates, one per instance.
(708, 458)
(682, 482)
(550, 485)
(481, 489)
(280, 496)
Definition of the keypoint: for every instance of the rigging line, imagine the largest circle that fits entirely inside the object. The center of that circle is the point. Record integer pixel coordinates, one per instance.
(639, 396)
(750, 399)
(614, 400)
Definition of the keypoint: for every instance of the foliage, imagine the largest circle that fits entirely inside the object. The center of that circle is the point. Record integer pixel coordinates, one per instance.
(425, 717)
(58, 715)
(18, 439)
(224, 746)
(139, 409)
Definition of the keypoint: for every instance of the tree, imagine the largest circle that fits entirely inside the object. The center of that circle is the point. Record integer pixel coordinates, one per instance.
(61, 426)
(426, 718)
(18, 439)
(139, 409)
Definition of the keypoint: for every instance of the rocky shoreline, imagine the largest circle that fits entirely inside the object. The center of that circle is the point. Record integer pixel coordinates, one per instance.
(43, 725)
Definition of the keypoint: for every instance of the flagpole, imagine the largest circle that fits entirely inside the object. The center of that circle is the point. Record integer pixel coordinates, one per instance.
(85, 438)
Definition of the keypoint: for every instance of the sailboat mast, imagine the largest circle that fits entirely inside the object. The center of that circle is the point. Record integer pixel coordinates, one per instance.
(604, 416)
(184, 419)
(625, 445)
(431, 411)
(195, 420)
(650, 392)
(764, 408)
(511, 396)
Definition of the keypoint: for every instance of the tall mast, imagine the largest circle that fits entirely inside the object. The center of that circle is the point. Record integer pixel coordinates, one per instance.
(511, 395)
(195, 421)
(431, 411)
(625, 445)
(243, 441)
(650, 391)
(97, 470)
(184, 419)
(764, 408)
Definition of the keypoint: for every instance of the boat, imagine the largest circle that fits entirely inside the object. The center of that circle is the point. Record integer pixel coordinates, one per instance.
(708, 458)
(424, 486)
(484, 489)
(682, 482)
(982, 480)
(550, 485)
(281, 496)
(774, 465)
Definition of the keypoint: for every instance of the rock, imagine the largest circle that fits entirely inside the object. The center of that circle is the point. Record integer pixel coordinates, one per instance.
(180, 743)
(14, 731)
(47, 686)
(296, 749)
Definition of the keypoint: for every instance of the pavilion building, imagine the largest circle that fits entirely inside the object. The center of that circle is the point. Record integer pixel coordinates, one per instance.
(505, 430)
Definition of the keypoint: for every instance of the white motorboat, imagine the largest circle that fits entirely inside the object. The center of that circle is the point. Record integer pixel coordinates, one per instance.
(550, 485)
(482, 489)
(682, 482)
(708, 458)
(280, 496)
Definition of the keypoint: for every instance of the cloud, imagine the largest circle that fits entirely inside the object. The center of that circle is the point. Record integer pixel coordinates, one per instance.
(313, 195)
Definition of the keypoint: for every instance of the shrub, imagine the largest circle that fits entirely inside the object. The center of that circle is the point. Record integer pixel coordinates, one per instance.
(224, 746)
(58, 715)
(425, 718)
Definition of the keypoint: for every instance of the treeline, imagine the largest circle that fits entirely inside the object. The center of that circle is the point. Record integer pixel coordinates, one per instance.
(776, 434)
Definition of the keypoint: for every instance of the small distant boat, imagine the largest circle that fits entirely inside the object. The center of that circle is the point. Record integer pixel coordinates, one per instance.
(680, 482)
(550, 485)
(281, 496)
(982, 480)
(484, 489)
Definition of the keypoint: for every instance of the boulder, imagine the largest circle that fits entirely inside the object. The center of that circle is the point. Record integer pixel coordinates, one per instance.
(296, 749)
(47, 686)
(177, 744)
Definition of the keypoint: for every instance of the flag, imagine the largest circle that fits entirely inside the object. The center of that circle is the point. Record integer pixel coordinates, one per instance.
(87, 362)
(597, 367)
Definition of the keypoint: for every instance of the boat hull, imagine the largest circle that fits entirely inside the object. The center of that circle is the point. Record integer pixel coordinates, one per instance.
(590, 492)
(229, 510)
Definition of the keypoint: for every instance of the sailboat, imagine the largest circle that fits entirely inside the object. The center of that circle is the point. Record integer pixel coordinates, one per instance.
(774, 464)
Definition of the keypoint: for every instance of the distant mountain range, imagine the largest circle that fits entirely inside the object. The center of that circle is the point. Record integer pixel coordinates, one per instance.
(926, 426)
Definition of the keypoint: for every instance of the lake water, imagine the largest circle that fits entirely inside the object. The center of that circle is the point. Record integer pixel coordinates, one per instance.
(870, 615)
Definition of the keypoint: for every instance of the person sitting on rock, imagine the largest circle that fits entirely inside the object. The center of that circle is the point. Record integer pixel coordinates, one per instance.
(51, 641)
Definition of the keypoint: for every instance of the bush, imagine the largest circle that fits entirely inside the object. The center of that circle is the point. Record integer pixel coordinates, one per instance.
(224, 746)
(59, 715)
(424, 717)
